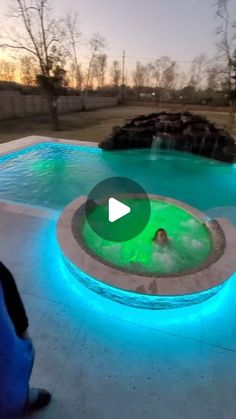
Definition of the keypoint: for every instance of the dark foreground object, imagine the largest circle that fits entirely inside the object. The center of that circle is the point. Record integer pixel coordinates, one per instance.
(178, 131)
(16, 354)
(38, 398)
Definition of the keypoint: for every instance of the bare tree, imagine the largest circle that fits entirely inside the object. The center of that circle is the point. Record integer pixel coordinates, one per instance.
(74, 39)
(140, 75)
(40, 35)
(150, 67)
(115, 73)
(214, 75)
(164, 72)
(28, 70)
(75, 76)
(226, 45)
(157, 73)
(99, 69)
(169, 76)
(7, 70)
(96, 45)
(198, 71)
(182, 80)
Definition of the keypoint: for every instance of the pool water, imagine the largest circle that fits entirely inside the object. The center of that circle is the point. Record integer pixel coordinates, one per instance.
(52, 175)
(189, 242)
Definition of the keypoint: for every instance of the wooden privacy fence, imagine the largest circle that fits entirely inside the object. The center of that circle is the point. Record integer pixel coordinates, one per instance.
(12, 106)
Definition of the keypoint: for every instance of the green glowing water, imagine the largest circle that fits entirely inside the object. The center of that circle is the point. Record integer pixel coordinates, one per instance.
(189, 244)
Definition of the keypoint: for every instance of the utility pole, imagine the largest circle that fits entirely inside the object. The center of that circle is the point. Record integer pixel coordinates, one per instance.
(123, 79)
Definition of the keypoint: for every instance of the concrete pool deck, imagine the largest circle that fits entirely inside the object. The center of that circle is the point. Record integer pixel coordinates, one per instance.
(101, 366)
(106, 361)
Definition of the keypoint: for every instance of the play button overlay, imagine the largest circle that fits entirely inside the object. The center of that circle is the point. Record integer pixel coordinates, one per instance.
(117, 209)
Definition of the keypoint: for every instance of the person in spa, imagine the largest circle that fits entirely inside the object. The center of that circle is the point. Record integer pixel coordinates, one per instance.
(161, 237)
(16, 354)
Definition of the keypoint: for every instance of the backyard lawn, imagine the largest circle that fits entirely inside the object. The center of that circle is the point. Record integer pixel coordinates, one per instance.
(89, 125)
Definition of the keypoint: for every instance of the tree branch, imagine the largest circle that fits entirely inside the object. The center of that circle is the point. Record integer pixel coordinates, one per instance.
(5, 45)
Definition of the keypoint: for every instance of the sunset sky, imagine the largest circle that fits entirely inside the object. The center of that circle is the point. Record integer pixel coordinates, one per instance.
(148, 29)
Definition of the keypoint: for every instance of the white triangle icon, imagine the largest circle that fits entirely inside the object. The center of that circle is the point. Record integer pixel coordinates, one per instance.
(117, 210)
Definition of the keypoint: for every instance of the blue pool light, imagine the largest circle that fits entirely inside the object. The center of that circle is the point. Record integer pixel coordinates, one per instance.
(137, 300)
(65, 288)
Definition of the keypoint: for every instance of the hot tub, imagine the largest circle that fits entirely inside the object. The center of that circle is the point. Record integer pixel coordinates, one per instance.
(193, 267)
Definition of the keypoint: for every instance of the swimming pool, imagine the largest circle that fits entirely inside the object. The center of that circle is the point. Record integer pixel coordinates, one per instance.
(52, 175)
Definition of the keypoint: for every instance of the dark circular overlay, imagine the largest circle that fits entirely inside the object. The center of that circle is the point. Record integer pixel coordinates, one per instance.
(123, 190)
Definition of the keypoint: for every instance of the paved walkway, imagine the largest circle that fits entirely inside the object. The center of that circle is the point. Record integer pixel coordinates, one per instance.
(105, 361)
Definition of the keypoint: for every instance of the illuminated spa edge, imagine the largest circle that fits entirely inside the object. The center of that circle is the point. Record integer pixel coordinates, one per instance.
(149, 291)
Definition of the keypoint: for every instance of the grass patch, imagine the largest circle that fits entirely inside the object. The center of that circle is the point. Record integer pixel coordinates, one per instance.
(89, 125)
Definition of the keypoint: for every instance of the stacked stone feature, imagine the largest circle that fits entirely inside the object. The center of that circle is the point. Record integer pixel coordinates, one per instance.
(180, 131)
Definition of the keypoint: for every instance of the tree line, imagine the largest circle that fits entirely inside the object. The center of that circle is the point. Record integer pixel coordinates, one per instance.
(47, 51)
(162, 73)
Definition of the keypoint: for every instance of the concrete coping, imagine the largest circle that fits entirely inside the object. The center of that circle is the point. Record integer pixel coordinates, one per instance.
(24, 142)
(217, 268)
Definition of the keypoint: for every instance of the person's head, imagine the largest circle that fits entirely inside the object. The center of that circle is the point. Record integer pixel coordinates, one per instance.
(160, 236)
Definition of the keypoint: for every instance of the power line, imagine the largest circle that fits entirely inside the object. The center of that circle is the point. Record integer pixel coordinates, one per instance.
(156, 58)
(130, 57)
